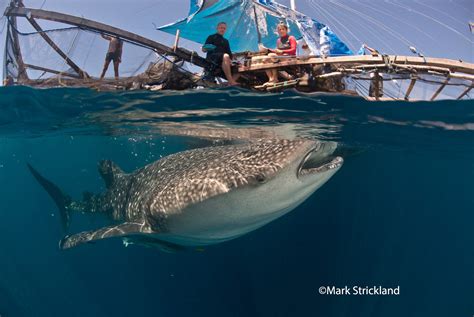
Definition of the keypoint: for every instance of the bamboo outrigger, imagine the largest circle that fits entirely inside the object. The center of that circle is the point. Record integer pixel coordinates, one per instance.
(369, 75)
(313, 73)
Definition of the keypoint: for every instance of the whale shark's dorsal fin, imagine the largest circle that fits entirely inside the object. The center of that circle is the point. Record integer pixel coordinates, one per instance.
(110, 172)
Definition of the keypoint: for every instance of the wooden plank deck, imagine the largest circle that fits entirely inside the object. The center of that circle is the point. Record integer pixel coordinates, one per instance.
(257, 63)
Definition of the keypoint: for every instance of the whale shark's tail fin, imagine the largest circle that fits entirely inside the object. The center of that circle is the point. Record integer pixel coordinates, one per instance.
(110, 172)
(62, 200)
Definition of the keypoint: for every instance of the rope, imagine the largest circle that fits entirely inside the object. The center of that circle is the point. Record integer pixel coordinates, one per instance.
(73, 43)
(317, 7)
(3, 20)
(374, 21)
(88, 52)
(146, 8)
(462, 24)
(362, 88)
(39, 32)
(146, 59)
(391, 15)
(376, 36)
(343, 25)
(432, 19)
(182, 69)
(44, 1)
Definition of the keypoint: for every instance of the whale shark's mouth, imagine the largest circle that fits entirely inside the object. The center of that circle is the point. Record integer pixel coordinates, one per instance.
(314, 162)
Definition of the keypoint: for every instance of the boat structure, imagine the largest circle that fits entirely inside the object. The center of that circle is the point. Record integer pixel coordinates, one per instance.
(64, 54)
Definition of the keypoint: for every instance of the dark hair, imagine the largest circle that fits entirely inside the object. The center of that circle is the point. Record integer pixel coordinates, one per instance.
(222, 23)
(283, 25)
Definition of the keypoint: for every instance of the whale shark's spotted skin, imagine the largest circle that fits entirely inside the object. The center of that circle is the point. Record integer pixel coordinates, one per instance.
(169, 185)
(144, 201)
(194, 176)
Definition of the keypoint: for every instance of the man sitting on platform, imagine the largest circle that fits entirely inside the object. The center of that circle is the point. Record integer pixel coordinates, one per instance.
(219, 54)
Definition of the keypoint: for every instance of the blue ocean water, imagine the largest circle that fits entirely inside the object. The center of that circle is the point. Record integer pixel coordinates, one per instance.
(400, 212)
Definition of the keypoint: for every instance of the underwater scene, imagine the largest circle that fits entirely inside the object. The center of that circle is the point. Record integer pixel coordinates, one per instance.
(226, 202)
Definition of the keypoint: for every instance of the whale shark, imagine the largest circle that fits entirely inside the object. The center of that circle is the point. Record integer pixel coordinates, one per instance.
(203, 196)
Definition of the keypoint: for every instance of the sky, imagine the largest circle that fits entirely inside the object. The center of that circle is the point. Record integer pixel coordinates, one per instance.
(438, 28)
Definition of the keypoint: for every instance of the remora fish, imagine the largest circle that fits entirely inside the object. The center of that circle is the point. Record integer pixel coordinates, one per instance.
(203, 196)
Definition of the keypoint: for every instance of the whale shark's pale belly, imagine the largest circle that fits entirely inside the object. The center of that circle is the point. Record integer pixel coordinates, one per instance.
(219, 220)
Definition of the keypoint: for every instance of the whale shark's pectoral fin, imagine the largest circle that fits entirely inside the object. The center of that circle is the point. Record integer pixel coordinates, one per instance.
(148, 242)
(121, 230)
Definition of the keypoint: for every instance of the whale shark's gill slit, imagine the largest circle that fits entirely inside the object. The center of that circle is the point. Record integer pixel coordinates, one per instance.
(126, 206)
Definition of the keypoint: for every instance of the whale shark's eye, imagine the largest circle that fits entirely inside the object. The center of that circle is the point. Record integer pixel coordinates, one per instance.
(261, 178)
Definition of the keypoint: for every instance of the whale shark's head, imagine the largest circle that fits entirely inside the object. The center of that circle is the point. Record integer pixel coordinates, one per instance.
(294, 166)
(289, 171)
(236, 189)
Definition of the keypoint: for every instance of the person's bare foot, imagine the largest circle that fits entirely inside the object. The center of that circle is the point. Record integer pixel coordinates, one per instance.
(232, 83)
(270, 82)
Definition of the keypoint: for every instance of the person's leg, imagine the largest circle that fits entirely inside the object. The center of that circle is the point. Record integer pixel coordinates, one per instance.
(226, 67)
(272, 73)
(106, 66)
(275, 75)
(285, 75)
(116, 68)
(269, 75)
(236, 77)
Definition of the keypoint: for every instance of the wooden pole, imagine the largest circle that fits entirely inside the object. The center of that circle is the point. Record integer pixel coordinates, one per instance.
(293, 5)
(22, 74)
(438, 91)
(434, 63)
(328, 75)
(52, 71)
(256, 24)
(410, 88)
(467, 77)
(377, 85)
(176, 41)
(465, 92)
(51, 43)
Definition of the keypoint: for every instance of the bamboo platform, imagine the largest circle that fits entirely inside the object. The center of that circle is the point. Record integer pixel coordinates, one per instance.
(314, 73)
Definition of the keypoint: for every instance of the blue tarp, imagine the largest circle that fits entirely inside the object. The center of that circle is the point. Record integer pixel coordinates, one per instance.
(249, 20)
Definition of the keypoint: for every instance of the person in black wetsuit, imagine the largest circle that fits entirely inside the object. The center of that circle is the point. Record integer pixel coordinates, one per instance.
(219, 54)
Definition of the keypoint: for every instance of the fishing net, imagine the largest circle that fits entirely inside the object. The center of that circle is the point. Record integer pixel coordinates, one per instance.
(75, 56)
(85, 48)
